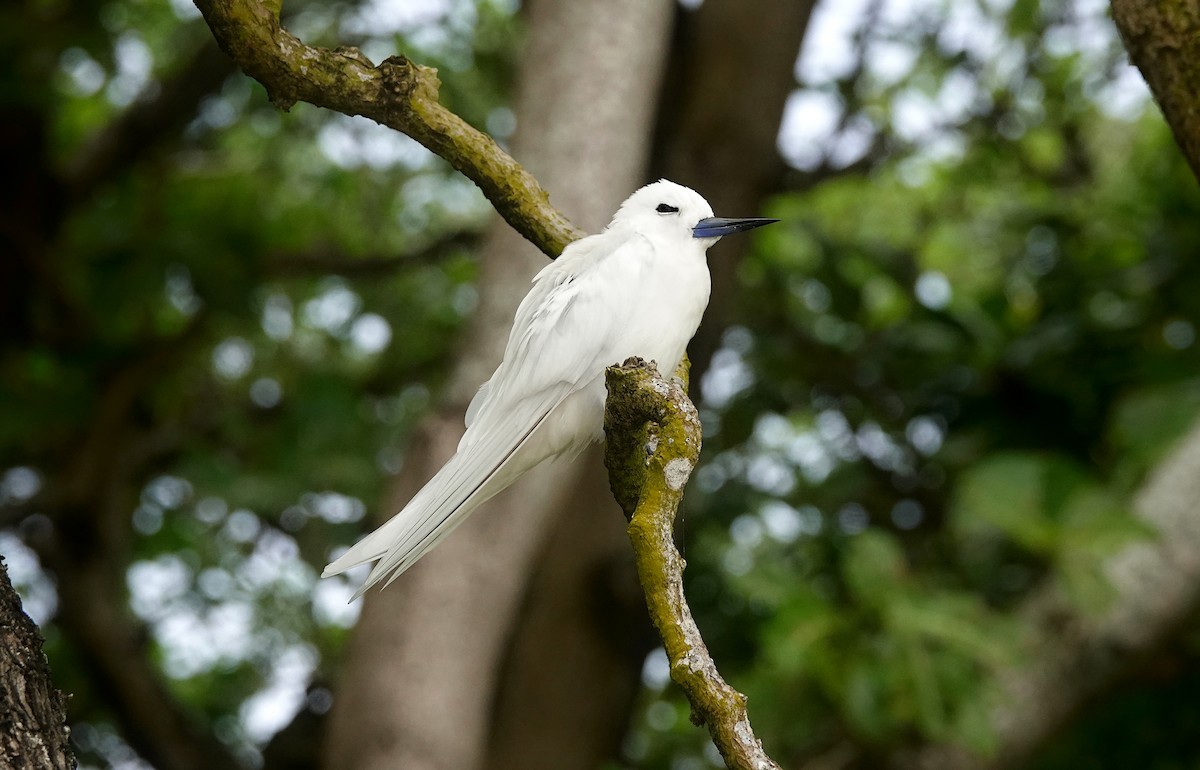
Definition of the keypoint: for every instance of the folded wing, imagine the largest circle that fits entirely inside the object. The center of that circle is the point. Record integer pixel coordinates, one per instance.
(560, 342)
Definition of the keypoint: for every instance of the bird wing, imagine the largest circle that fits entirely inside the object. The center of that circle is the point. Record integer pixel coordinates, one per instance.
(564, 328)
(561, 340)
(532, 351)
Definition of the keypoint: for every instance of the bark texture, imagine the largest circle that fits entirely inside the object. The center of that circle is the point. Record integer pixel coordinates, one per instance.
(88, 550)
(424, 664)
(33, 719)
(1163, 40)
(653, 439)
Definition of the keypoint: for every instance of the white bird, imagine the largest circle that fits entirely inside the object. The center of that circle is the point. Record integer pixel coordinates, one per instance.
(638, 288)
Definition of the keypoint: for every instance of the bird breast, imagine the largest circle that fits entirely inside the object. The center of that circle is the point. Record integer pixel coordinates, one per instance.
(668, 291)
(664, 296)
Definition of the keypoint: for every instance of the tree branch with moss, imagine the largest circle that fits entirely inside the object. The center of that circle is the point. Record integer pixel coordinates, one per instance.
(397, 93)
(652, 434)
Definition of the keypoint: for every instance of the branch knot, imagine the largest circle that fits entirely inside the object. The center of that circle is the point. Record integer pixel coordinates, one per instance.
(651, 429)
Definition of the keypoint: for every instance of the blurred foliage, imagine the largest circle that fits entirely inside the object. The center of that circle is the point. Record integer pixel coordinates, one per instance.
(969, 342)
(949, 374)
(293, 283)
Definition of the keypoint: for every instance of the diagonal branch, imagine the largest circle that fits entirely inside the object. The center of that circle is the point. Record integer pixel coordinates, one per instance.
(653, 438)
(1163, 40)
(397, 93)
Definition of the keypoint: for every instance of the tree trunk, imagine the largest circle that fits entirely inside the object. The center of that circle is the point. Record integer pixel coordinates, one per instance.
(731, 75)
(34, 735)
(578, 647)
(1163, 40)
(421, 672)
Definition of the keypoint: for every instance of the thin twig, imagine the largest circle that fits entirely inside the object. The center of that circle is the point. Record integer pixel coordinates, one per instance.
(653, 441)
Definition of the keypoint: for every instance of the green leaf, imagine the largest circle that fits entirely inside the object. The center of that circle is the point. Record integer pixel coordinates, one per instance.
(930, 705)
(960, 622)
(864, 699)
(1006, 492)
(874, 567)
(1148, 421)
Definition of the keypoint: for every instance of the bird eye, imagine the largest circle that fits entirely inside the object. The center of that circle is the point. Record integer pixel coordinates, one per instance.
(666, 208)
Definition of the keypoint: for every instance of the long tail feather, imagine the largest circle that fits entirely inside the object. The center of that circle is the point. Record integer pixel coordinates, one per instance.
(477, 472)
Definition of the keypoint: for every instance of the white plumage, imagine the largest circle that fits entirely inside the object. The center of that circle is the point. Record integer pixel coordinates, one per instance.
(638, 288)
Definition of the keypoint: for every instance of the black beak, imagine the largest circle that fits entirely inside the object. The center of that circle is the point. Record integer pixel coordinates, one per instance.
(715, 227)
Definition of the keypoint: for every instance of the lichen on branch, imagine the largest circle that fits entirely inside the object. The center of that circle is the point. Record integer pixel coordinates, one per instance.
(653, 438)
(397, 93)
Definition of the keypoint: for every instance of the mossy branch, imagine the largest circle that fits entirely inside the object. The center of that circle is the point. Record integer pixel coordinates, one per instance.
(653, 442)
(397, 93)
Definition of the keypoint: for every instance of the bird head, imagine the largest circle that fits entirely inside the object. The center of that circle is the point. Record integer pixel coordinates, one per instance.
(671, 210)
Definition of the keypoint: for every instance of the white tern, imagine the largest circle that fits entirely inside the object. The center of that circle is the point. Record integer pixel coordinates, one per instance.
(638, 288)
